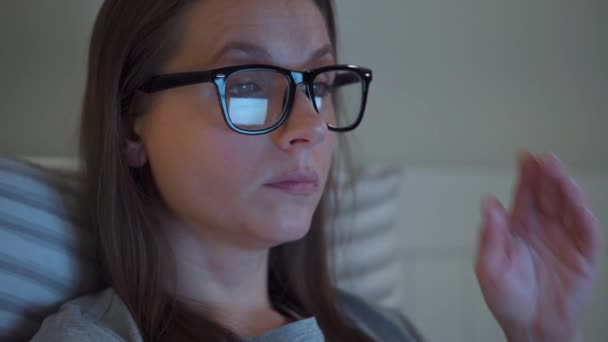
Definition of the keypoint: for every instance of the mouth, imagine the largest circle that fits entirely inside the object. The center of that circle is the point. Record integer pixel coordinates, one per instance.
(303, 183)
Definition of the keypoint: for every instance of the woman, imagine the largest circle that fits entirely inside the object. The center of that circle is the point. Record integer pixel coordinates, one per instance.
(208, 158)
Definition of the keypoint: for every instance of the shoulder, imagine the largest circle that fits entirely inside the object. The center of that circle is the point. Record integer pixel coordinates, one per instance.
(100, 316)
(382, 324)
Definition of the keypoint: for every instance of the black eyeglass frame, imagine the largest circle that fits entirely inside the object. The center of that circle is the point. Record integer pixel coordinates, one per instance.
(294, 78)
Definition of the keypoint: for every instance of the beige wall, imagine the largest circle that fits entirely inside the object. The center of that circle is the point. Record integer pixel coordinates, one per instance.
(42, 68)
(472, 81)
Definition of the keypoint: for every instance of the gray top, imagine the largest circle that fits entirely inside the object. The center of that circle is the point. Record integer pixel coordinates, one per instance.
(299, 331)
(103, 316)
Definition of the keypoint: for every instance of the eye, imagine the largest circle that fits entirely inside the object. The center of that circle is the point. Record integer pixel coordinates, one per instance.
(244, 89)
(321, 89)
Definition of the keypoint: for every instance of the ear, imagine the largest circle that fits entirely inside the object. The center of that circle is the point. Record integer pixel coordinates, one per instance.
(134, 149)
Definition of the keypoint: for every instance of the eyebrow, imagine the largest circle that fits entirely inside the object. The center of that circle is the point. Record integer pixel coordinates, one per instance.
(258, 52)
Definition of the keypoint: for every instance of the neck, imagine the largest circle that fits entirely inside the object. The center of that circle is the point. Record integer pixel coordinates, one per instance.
(224, 283)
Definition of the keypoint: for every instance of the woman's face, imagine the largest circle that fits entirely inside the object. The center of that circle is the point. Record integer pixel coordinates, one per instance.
(253, 191)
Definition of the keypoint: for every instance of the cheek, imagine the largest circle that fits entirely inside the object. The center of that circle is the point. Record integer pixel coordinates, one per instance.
(326, 151)
(203, 179)
(194, 158)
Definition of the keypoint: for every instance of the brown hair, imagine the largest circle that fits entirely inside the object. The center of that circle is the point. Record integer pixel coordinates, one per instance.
(131, 40)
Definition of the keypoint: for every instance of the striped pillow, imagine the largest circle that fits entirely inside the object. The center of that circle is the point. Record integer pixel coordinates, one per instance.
(45, 255)
(365, 242)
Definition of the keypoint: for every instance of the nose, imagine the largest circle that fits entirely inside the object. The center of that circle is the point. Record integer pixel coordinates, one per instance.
(304, 126)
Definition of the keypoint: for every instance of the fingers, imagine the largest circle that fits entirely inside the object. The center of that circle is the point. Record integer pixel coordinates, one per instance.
(580, 223)
(550, 196)
(495, 242)
(524, 206)
(562, 199)
(539, 190)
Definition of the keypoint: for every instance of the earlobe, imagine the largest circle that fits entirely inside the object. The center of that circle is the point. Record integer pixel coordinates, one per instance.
(134, 150)
(135, 154)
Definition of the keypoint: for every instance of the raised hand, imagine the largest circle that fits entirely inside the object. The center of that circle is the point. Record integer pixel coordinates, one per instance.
(536, 265)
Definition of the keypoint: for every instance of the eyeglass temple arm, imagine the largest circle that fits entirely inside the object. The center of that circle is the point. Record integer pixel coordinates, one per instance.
(346, 79)
(163, 82)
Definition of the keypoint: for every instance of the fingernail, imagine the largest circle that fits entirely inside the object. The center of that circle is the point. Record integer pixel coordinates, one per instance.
(487, 203)
(592, 217)
(497, 218)
(573, 185)
(555, 157)
(554, 161)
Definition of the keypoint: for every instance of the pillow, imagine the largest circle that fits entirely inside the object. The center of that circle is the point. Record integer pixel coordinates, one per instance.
(45, 254)
(365, 247)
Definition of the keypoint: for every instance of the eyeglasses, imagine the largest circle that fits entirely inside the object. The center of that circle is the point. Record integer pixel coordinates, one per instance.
(257, 99)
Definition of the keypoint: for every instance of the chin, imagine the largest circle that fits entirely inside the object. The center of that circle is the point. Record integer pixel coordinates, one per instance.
(285, 232)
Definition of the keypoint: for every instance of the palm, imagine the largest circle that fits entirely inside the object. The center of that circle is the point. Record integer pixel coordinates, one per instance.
(536, 264)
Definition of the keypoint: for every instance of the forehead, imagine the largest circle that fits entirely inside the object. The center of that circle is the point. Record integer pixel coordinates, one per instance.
(289, 30)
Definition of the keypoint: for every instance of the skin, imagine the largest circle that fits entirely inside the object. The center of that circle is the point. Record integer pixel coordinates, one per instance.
(225, 219)
(537, 263)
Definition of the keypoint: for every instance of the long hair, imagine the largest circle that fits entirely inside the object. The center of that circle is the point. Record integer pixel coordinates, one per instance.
(130, 42)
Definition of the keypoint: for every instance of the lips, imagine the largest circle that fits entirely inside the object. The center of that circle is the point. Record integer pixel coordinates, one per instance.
(300, 182)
